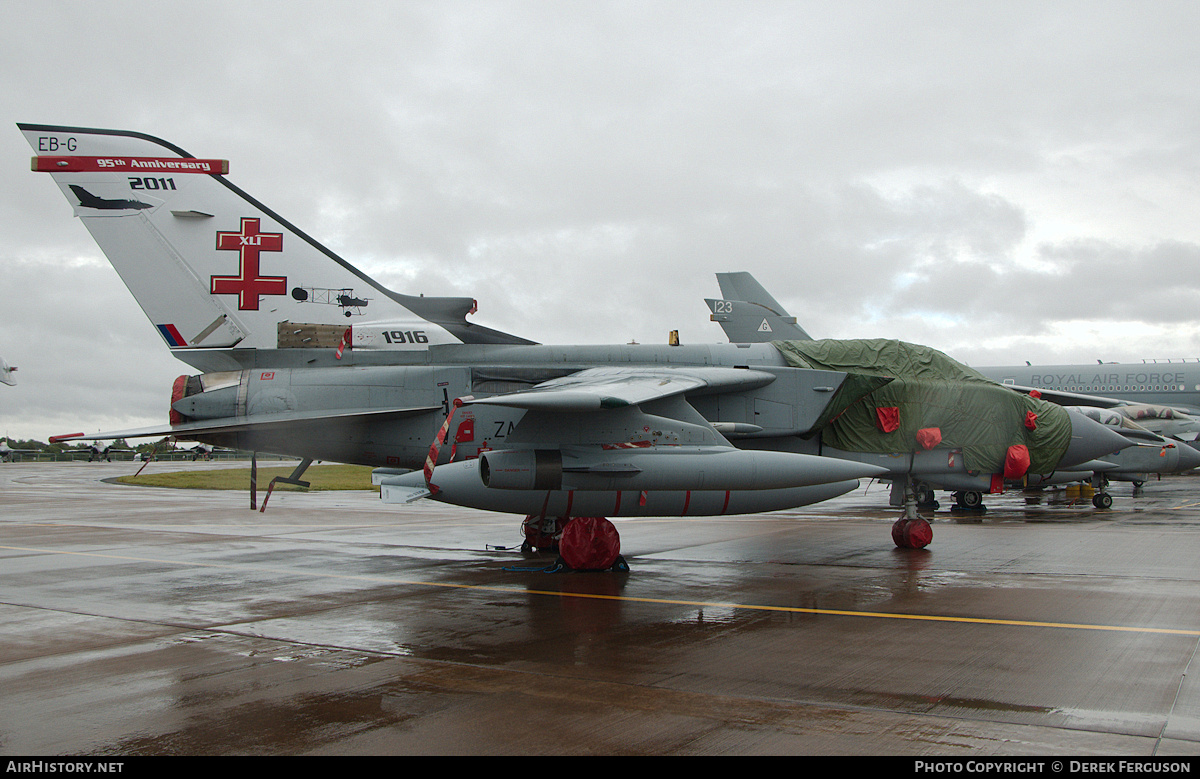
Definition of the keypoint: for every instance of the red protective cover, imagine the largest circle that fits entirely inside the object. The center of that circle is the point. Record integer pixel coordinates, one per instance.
(1030, 420)
(589, 544)
(177, 391)
(1016, 462)
(887, 418)
(536, 537)
(929, 437)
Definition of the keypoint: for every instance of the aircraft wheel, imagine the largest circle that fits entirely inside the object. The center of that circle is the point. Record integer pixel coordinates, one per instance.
(589, 544)
(1102, 500)
(912, 533)
(969, 499)
(925, 496)
(540, 534)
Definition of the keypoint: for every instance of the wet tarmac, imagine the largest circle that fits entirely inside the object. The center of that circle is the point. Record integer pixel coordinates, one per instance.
(143, 621)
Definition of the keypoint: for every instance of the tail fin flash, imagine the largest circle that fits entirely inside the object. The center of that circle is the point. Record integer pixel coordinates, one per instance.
(211, 266)
(748, 313)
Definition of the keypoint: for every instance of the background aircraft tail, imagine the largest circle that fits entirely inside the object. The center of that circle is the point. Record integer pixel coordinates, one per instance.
(748, 313)
(212, 267)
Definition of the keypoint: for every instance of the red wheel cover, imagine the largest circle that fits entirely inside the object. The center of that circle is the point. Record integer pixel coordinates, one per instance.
(589, 544)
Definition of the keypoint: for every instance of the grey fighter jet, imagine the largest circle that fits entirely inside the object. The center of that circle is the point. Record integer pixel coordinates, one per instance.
(452, 411)
(95, 450)
(748, 313)
(7, 452)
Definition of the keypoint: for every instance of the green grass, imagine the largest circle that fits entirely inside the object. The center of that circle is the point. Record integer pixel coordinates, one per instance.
(321, 477)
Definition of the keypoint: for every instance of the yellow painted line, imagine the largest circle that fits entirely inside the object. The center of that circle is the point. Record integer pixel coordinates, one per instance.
(632, 599)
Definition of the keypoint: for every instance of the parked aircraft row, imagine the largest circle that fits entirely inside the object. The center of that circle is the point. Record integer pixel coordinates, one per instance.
(98, 450)
(95, 450)
(453, 411)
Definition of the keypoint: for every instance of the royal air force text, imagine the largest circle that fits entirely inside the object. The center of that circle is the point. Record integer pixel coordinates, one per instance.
(1067, 379)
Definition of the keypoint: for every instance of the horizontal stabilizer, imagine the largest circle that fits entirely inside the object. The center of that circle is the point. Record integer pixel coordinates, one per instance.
(396, 493)
(378, 475)
(400, 487)
(257, 423)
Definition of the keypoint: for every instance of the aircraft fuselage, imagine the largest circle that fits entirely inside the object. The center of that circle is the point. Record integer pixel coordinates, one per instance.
(298, 381)
(384, 410)
(1174, 384)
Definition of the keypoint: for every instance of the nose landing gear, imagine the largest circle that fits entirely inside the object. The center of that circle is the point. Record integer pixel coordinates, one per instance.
(911, 531)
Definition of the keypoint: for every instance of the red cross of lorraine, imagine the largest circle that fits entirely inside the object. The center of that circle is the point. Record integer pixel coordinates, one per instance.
(248, 285)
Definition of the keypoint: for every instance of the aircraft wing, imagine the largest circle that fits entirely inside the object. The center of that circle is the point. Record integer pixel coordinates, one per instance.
(641, 407)
(1069, 398)
(259, 422)
(603, 431)
(610, 388)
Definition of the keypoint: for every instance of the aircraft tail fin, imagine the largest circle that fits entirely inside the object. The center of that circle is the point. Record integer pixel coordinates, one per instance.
(212, 267)
(748, 313)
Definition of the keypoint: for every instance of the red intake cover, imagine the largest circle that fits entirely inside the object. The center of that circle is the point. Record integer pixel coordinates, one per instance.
(177, 391)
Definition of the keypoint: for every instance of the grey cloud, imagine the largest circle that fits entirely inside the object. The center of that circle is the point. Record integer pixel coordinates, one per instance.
(953, 173)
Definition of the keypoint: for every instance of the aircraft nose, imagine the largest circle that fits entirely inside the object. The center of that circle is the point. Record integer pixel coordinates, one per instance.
(1090, 440)
(1189, 458)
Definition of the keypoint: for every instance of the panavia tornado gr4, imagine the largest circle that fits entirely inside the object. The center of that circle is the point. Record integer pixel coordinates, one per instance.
(302, 354)
(1155, 434)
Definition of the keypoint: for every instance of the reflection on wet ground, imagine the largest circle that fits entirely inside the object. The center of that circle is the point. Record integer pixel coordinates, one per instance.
(148, 621)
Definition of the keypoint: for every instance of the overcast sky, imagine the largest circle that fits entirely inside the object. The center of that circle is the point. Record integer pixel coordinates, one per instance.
(1004, 181)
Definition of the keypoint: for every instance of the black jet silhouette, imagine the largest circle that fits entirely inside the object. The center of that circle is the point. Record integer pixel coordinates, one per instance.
(88, 200)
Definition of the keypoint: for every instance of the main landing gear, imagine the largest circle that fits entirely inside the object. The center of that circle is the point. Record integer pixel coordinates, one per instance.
(969, 500)
(1100, 498)
(582, 543)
